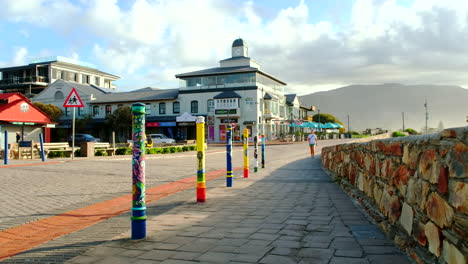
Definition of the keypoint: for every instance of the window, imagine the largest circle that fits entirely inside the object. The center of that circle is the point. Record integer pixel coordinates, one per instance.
(72, 76)
(148, 109)
(108, 109)
(66, 111)
(194, 107)
(80, 111)
(58, 95)
(162, 108)
(84, 78)
(59, 75)
(96, 80)
(210, 105)
(119, 105)
(95, 110)
(176, 108)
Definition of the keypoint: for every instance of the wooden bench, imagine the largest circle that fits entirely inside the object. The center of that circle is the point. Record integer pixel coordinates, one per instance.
(106, 146)
(55, 146)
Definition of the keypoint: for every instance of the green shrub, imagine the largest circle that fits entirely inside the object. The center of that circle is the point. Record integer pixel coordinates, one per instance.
(185, 148)
(179, 149)
(411, 131)
(100, 152)
(192, 147)
(398, 134)
(56, 154)
(77, 153)
(165, 150)
(121, 151)
(172, 149)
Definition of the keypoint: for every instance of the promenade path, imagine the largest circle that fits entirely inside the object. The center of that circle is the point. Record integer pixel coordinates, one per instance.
(289, 212)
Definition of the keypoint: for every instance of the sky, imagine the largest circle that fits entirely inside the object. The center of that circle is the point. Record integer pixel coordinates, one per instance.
(312, 45)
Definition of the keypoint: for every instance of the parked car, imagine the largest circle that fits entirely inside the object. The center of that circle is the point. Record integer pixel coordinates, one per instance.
(82, 138)
(160, 138)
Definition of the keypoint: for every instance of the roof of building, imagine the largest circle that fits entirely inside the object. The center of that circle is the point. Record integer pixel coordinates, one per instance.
(88, 88)
(268, 96)
(137, 95)
(239, 42)
(227, 94)
(290, 98)
(226, 70)
(12, 110)
(236, 58)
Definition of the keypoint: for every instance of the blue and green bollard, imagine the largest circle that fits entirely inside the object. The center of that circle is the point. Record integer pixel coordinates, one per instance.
(229, 156)
(263, 151)
(138, 169)
(6, 151)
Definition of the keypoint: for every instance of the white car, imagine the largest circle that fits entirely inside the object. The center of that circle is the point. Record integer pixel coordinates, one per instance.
(160, 138)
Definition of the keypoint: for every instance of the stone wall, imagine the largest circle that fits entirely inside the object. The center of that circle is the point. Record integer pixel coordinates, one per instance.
(415, 187)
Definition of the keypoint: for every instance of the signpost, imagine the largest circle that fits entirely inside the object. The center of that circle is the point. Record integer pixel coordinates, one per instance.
(73, 100)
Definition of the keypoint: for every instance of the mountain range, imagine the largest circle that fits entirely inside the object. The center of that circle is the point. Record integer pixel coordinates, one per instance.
(381, 106)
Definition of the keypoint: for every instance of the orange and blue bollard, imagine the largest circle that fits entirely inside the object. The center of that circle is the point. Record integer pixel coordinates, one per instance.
(138, 169)
(201, 181)
(245, 140)
(229, 156)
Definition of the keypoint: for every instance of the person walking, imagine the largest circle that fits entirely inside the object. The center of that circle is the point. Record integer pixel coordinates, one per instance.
(18, 137)
(312, 138)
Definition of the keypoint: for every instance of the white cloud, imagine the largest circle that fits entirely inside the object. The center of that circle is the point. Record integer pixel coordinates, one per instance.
(20, 56)
(422, 41)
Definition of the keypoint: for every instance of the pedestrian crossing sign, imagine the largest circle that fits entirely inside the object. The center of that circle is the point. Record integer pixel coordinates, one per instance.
(73, 99)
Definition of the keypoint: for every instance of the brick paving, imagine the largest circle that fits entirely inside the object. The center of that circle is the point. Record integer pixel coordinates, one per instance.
(289, 212)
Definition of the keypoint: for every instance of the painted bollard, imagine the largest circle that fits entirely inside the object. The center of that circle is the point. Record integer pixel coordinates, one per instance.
(41, 141)
(263, 151)
(138, 169)
(245, 139)
(201, 181)
(229, 156)
(6, 151)
(255, 153)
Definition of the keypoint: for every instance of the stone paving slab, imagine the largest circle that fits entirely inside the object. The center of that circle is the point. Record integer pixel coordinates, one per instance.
(290, 213)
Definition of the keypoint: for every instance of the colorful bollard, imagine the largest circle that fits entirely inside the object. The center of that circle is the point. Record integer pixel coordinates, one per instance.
(6, 151)
(138, 169)
(255, 153)
(229, 156)
(245, 139)
(41, 141)
(201, 181)
(263, 151)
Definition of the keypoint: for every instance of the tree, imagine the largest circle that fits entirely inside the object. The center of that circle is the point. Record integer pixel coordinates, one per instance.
(81, 124)
(53, 111)
(121, 120)
(326, 118)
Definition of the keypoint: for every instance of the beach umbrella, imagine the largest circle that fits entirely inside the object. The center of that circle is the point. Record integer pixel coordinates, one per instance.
(339, 125)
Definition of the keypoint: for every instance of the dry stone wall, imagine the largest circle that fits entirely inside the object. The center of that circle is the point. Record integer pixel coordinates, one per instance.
(415, 187)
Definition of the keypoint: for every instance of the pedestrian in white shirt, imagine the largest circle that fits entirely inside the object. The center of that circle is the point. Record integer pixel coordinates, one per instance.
(312, 138)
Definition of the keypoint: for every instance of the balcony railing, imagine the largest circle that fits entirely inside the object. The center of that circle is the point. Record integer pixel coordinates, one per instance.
(24, 80)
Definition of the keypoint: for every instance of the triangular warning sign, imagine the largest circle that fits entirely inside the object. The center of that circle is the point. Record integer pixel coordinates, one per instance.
(73, 99)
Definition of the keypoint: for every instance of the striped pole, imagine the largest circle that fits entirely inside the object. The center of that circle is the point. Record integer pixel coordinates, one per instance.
(201, 181)
(255, 153)
(41, 141)
(263, 151)
(138, 169)
(229, 156)
(6, 151)
(245, 139)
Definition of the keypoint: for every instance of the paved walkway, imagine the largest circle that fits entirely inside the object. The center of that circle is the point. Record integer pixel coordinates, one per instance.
(289, 212)
(293, 214)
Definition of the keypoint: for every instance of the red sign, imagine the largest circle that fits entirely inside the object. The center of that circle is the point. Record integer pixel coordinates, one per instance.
(152, 124)
(233, 125)
(73, 99)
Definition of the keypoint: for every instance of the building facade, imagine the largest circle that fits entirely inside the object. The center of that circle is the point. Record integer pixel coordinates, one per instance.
(31, 79)
(237, 92)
